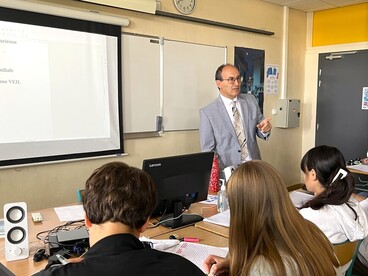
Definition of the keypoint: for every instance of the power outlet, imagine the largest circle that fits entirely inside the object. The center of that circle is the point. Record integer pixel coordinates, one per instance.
(36, 217)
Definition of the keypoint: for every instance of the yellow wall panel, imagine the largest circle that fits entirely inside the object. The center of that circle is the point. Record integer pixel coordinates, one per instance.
(341, 25)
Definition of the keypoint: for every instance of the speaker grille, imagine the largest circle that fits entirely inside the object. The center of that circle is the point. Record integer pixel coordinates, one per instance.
(16, 235)
(15, 214)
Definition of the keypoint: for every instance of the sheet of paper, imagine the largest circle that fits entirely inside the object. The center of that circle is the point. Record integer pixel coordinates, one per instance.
(197, 253)
(222, 218)
(299, 198)
(70, 213)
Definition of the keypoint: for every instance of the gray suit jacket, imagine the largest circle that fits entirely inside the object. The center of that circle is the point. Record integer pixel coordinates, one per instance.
(217, 132)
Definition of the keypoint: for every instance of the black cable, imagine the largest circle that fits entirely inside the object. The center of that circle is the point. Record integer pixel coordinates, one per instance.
(64, 227)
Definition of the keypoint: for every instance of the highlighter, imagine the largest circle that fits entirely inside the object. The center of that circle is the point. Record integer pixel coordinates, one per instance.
(188, 239)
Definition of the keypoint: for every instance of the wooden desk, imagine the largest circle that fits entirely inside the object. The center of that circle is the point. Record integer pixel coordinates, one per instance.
(222, 231)
(204, 236)
(361, 184)
(210, 227)
(205, 210)
(28, 267)
(358, 171)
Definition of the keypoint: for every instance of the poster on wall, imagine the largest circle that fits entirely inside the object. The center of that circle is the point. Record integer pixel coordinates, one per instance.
(272, 79)
(365, 98)
(250, 63)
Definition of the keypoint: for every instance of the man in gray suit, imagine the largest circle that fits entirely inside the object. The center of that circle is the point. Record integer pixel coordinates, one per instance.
(217, 120)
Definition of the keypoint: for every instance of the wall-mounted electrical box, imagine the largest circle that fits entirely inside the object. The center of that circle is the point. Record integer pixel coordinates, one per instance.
(287, 113)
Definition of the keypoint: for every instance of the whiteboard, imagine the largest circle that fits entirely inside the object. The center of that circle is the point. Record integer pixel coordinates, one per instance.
(189, 82)
(167, 78)
(140, 83)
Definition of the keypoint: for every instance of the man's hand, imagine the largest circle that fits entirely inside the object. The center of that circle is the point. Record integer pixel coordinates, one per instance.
(265, 126)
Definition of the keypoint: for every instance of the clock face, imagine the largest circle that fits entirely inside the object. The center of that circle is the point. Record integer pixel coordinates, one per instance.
(185, 6)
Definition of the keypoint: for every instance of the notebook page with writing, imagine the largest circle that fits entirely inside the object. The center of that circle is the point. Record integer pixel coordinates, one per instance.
(197, 253)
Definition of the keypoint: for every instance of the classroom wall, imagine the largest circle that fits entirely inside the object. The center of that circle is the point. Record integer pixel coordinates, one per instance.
(50, 185)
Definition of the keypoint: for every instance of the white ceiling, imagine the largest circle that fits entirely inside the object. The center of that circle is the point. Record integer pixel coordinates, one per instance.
(315, 5)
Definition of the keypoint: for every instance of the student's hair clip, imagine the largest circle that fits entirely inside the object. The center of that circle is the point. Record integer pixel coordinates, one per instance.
(341, 172)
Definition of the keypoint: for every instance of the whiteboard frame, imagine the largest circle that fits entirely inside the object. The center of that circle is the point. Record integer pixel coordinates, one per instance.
(171, 114)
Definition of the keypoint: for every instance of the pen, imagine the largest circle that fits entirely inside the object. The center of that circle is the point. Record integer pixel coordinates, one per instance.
(61, 259)
(186, 239)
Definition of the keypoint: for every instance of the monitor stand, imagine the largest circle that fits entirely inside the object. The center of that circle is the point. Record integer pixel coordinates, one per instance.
(183, 220)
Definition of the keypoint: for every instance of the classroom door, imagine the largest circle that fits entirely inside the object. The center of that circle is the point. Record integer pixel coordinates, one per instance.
(341, 121)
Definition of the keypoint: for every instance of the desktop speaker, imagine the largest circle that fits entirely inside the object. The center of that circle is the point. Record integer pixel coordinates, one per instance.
(16, 231)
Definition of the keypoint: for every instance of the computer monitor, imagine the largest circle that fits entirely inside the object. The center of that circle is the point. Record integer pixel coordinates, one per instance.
(181, 180)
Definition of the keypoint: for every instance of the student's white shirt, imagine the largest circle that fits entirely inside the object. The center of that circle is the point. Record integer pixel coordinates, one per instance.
(363, 249)
(229, 107)
(338, 222)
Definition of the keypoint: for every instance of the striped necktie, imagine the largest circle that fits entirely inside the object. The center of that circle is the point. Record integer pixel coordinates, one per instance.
(240, 133)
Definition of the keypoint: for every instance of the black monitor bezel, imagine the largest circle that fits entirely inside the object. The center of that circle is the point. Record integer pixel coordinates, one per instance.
(176, 166)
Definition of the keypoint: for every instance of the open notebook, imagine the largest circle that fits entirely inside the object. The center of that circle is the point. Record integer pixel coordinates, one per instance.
(222, 218)
(197, 253)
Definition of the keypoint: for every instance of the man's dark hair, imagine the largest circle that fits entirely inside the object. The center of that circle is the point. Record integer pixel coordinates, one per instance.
(218, 74)
(116, 192)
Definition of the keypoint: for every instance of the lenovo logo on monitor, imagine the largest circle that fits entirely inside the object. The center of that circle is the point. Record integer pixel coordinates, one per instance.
(154, 165)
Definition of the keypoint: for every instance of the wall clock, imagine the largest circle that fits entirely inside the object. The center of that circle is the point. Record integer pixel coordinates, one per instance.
(185, 6)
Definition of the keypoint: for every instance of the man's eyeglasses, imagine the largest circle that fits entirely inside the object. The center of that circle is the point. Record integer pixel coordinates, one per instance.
(232, 80)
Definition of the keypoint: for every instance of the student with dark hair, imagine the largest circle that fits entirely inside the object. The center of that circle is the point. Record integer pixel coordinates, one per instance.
(333, 208)
(118, 202)
(267, 234)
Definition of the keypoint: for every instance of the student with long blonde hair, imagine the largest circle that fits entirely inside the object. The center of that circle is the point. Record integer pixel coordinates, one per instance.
(267, 234)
